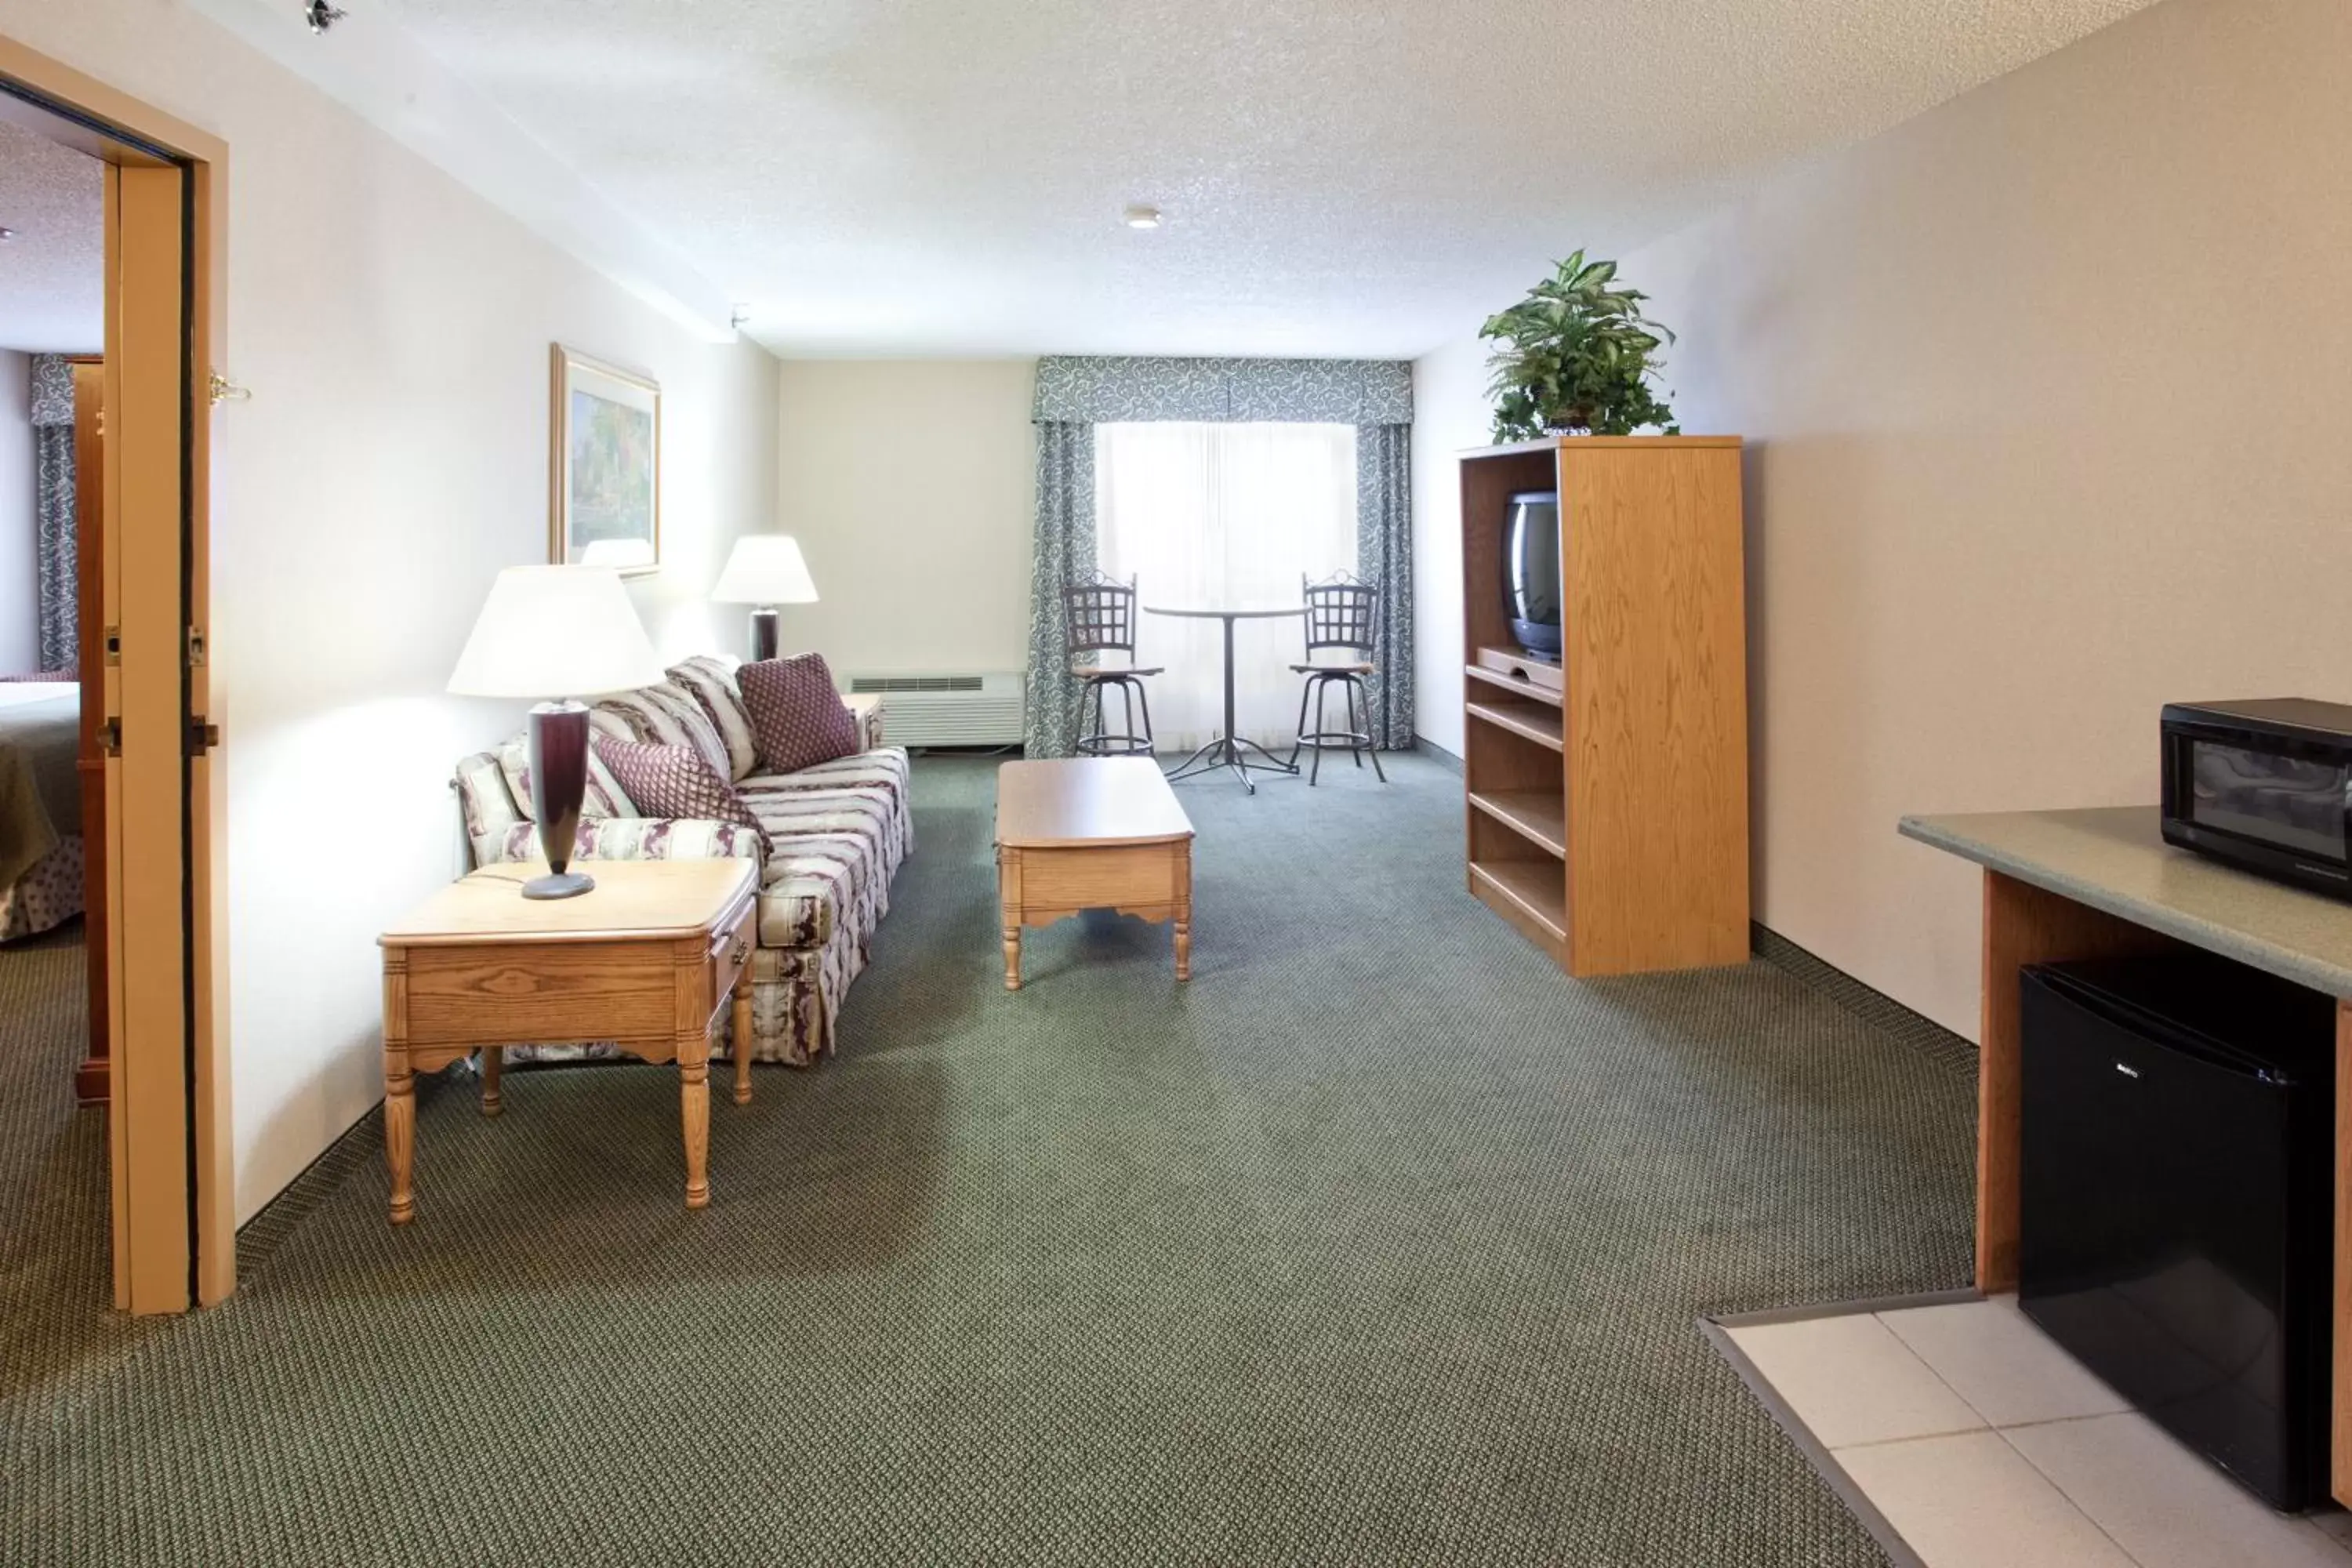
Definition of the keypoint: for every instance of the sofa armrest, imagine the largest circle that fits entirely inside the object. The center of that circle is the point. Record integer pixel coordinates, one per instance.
(867, 708)
(641, 839)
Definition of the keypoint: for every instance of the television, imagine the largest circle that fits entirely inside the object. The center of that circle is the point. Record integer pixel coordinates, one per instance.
(1531, 573)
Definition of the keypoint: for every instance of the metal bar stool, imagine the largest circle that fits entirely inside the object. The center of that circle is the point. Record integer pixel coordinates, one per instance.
(1339, 617)
(1099, 616)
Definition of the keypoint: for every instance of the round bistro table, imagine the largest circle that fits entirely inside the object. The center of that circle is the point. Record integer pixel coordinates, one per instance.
(1227, 749)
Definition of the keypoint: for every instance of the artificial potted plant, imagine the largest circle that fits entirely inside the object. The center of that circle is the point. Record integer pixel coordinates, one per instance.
(1576, 355)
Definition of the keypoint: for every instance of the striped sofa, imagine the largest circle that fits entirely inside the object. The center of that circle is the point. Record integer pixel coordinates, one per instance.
(829, 839)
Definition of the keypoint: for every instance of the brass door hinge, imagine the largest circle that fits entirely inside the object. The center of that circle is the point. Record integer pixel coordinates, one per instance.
(109, 738)
(202, 737)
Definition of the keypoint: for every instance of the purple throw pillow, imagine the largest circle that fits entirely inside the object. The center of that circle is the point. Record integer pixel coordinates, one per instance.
(672, 781)
(798, 718)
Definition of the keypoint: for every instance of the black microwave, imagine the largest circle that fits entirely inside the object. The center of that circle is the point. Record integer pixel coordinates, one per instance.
(2264, 786)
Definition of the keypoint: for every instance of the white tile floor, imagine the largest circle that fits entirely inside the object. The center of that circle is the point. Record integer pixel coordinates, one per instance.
(1985, 1446)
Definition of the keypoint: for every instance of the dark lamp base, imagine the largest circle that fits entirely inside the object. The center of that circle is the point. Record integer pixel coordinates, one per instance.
(559, 884)
(764, 634)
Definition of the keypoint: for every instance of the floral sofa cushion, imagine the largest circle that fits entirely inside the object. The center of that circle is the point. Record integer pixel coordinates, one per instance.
(836, 833)
(485, 806)
(640, 838)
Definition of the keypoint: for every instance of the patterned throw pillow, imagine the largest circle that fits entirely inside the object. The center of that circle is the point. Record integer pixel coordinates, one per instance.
(672, 782)
(798, 718)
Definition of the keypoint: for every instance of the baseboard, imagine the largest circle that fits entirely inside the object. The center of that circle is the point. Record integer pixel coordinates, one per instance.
(1871, 1005)
(1437, 753)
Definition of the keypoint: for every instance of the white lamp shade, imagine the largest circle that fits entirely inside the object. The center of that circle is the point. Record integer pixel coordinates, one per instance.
(765, 569)
(556, 631)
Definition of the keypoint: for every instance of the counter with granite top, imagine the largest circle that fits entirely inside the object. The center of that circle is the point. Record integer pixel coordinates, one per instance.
(2114, 859)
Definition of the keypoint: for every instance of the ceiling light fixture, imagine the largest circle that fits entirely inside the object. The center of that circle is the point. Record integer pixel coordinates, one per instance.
(7, 234)
(1138, 216)
(318, 15)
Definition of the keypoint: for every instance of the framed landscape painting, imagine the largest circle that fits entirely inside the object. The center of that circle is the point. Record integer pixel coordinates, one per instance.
(603, 466)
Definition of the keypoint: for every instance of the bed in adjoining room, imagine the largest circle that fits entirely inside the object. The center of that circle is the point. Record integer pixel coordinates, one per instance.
(40, 806)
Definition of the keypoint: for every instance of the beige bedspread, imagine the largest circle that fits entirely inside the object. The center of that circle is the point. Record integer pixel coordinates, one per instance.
(40, 799)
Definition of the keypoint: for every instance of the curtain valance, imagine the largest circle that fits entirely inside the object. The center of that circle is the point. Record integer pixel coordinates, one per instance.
(1091, 389)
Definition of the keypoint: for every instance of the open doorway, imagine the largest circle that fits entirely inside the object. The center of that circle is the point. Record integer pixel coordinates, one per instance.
(53, 966)
(121, 620)
(52, 479)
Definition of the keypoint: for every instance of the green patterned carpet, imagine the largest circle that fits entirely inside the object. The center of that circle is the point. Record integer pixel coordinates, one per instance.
(1380, 1242)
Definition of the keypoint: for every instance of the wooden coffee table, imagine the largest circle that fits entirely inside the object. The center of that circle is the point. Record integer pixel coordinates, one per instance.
(1091, 833)
(645, 960)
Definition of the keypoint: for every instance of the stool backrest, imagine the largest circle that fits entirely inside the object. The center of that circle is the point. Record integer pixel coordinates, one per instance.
(1339, 612)
(1099, 612)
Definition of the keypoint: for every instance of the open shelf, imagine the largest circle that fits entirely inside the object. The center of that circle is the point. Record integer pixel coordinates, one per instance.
(1535, 815)
(1536, 891)
(1618, 855)
(1529, 721)
(1513, 684)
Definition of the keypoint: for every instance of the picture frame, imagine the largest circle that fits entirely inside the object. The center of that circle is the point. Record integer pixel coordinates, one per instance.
(604, 465)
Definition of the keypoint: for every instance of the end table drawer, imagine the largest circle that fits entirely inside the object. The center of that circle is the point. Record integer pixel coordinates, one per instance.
(582, 991)
(730, 955)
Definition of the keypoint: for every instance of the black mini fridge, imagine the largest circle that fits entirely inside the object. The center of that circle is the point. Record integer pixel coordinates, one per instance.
(2177, 1196)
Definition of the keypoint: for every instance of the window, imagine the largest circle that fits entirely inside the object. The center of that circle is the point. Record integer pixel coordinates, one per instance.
(1224, 516)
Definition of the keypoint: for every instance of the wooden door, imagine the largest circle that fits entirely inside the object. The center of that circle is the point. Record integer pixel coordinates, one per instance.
(142, 592)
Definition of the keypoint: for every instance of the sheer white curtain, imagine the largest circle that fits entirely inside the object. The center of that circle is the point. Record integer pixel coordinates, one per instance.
(1223, 517)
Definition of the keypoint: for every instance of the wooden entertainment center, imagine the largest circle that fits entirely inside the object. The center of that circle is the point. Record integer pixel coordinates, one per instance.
(1607, 794)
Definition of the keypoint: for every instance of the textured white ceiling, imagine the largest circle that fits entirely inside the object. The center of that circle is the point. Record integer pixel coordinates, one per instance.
(941, 176)
(53, 274)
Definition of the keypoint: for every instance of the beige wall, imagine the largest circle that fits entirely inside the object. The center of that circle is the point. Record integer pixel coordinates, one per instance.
(2049, 391)
(20, 600)
(911, 485)
(393, 329)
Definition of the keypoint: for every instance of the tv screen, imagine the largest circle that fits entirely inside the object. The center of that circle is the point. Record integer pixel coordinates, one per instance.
(1531, 571)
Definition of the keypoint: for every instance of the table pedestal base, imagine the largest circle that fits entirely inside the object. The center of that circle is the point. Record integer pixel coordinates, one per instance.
(1231, 753)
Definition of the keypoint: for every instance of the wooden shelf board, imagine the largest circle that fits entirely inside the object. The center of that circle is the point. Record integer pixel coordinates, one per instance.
(1540, 725)
(1512, 684)
(1536, 888)
(1535, 816)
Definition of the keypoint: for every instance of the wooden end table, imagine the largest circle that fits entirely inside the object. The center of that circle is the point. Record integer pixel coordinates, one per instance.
(1091, 833)
(646, 959)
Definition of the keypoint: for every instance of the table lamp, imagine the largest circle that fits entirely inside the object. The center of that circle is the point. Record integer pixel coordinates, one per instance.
(556, 633)
(766, 570)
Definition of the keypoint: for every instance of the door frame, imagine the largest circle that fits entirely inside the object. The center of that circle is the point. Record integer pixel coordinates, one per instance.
(171, 1152)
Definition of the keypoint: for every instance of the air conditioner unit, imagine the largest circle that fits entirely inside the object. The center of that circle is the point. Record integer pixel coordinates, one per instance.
(947, 709)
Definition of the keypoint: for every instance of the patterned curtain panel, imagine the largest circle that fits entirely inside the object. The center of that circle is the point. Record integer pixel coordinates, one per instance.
(1076, 393)
(1384, 557)
(1065, 551)
(53, 528)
